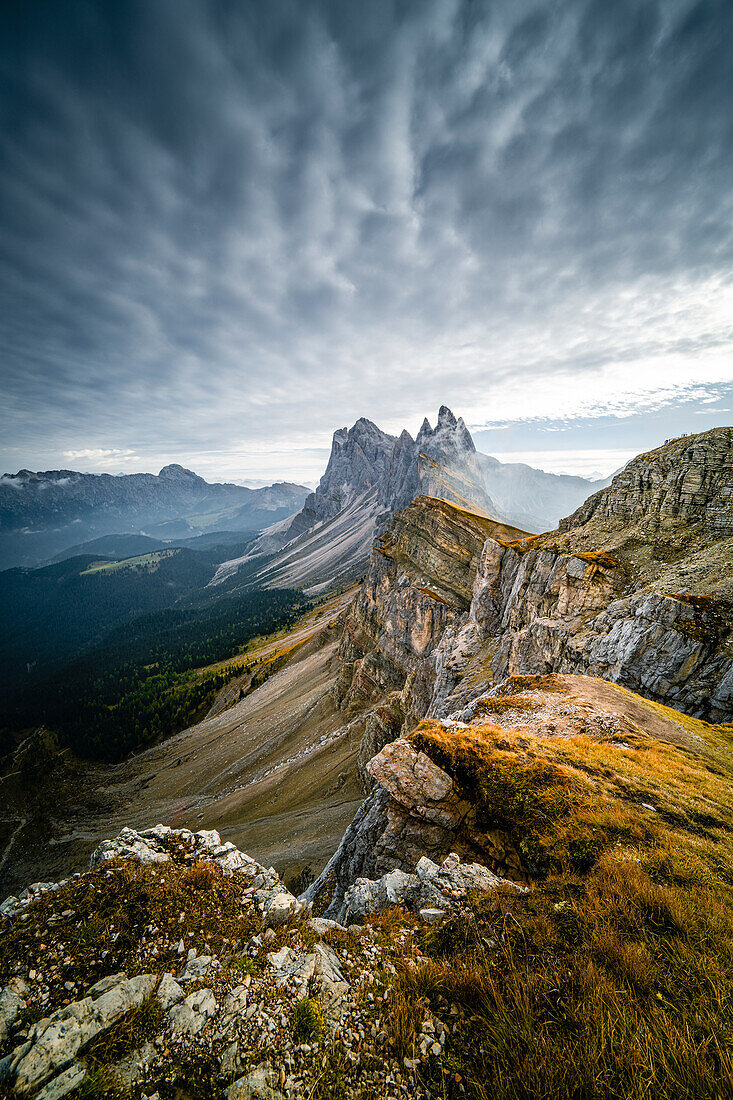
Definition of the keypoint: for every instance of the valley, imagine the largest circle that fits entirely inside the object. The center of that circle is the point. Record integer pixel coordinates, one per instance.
(273, 772)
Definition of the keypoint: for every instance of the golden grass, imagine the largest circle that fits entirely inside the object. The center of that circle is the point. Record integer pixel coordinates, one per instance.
(613, 975)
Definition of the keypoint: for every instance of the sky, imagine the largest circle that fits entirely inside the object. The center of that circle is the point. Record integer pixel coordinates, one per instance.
(229, 227)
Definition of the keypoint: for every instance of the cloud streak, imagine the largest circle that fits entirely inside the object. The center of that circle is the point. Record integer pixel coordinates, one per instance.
(227, 226)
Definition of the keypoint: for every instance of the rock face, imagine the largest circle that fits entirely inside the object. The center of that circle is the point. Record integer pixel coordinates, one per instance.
(684, 483)
(636, 588)
(418, 586)
(415, 810)
(369, 476)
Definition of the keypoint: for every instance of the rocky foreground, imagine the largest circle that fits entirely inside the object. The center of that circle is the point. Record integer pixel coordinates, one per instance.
(576, 940)
(216, 979)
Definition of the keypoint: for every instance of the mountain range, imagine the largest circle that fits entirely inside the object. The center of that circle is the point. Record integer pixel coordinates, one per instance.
(45, 513)
(497, 771)
(371, 475)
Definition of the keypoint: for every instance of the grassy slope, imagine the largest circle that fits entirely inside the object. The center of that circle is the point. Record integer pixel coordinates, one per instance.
(613, 976)
(251, 769)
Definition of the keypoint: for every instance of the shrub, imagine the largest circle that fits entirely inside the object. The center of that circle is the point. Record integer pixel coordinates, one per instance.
(307, 1022)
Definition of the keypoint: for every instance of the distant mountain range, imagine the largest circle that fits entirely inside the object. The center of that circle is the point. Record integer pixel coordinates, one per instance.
(371, 475)
(43, 514)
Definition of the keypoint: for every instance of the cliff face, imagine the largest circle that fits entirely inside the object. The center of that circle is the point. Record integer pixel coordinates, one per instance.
(418, 586)
(686, 482)
(636, 588)
(568, 746)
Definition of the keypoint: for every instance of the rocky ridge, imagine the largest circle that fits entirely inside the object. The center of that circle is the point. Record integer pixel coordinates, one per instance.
(262, 1016)
(371, 475)
(452, 605)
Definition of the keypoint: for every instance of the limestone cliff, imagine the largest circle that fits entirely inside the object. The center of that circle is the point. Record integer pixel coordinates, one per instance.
(419, 586)
(636, 587)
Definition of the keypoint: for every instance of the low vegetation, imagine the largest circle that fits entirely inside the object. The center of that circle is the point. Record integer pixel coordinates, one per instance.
(613, 975)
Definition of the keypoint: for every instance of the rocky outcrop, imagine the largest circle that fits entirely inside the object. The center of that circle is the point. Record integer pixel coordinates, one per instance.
(639, 591)
(459, 784)
(159, 845)
(369, 476)
(262, 1017)
(431, 891)
(686, 482)
(419, 584)
(415, 810)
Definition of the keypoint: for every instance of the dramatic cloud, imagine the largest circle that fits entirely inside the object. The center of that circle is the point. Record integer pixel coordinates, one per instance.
(227, 228)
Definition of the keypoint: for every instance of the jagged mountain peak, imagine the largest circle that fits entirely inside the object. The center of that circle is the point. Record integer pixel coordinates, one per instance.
(450, 436)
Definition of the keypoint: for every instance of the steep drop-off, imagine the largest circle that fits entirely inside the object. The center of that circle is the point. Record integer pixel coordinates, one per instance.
(636, 587)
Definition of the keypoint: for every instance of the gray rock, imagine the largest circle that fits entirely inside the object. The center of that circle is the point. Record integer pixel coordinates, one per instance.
(104, 984)
(433, 916)
(11, 1005)
(131, 1070)
(55, 1042)
(435, 888)
(197, 968)
(257, 1085)
(65, 1083)
(129, 844)
(279, 908)
(192, 1014)
(169, 992)
(9, 907)
(321, 925)
(291, 966)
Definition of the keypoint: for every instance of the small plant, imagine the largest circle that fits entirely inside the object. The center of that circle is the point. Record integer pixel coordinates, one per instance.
(29, 1016)
(242, 967)
(335, 1082)
(307, 1021)
(201, 876)
(99, 1082)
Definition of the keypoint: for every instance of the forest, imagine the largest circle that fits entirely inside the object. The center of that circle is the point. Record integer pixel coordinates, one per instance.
(142, 683)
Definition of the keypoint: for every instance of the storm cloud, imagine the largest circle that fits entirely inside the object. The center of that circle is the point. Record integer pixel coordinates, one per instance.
(228, 227)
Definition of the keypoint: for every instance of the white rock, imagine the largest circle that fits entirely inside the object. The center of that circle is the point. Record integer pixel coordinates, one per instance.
(321, 925)
(197, 968)
(189, 1017)
(432, 916)
(279, 907)
(257, 1085)
(169, 992)
(54, 1042)
(104, 984)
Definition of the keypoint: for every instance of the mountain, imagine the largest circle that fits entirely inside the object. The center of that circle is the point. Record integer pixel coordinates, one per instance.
(43, 513)
(541, 727)
(371, 475)
(534, 499)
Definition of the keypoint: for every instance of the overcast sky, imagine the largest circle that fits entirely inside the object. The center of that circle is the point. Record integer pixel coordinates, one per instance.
(228, 227)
